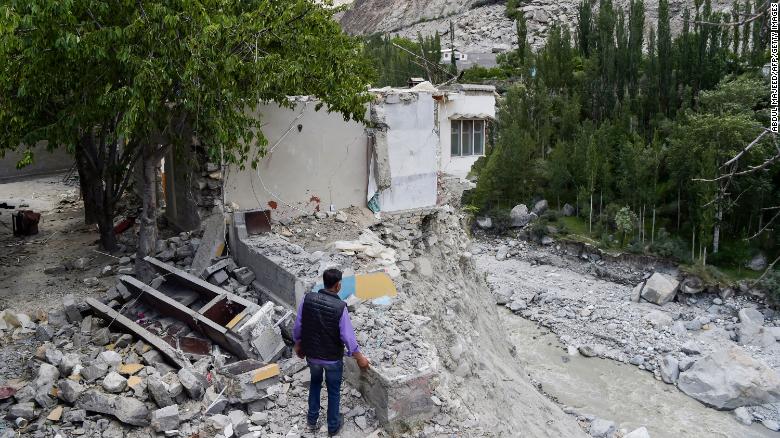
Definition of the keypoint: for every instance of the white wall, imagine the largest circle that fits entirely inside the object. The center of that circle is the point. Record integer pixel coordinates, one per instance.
(325, 163)
(412, 144)
(461, 103)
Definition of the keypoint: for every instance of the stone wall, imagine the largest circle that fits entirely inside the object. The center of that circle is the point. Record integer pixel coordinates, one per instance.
(193, 188)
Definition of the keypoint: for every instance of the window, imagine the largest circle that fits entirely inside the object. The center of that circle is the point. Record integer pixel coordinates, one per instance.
(467, 138)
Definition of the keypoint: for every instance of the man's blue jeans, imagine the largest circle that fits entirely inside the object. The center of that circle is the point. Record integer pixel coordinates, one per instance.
(333, 374)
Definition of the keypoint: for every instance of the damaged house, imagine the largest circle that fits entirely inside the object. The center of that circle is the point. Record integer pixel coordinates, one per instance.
(417, 136)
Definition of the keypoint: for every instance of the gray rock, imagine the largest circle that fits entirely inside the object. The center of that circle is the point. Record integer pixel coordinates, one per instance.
(126, 409)
(670, 369)
(47, 375)
(166, 418)
(44, 332)
(244, 275)
(568, 210)
(757, 263)
(110, 358)
(686, 363)
(69, 363)
(771, 425)
(749, 315)
(101, 337)
(69, 391)
(637, 360)
(540, 207)
(743, 416)
(638, 433)
(53, 356)
(520, 216)
(74, 416)
(600, 428)
(193, 383)
(114, 383)
(730, 378)
(24, 410)
(72, 311)
(660, 289)
(159, 391)
(95, 370)
(485, 223)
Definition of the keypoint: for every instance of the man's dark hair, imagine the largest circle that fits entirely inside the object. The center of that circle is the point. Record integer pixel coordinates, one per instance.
(331, 277)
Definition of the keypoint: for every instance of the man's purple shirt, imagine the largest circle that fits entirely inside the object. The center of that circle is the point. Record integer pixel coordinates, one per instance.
(346, 332)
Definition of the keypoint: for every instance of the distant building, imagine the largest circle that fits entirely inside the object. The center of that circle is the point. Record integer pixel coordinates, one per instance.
(447, 54)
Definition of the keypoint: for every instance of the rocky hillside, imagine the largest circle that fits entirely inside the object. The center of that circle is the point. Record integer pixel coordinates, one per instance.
(480, 27)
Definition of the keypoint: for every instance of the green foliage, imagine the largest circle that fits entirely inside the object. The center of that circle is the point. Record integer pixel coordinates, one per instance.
(669, 246)
(396, 65)
(138, 71)
(625, 221)
(477, 74)
(771, 284)
(596, 121)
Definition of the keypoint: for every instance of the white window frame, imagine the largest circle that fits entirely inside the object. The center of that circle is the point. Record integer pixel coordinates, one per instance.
(473, 134)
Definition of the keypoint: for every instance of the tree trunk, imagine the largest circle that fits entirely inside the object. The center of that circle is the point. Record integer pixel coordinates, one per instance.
(590, 218)
(98, 208)
(147, 236)
(652, 231)
(716, 231)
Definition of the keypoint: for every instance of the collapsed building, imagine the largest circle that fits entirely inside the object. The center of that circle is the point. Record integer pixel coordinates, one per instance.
(211, 334)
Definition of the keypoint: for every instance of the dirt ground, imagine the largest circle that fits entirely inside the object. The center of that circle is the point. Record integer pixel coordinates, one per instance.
(63, 237)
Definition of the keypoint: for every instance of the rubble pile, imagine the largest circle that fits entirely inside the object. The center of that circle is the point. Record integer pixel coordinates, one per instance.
(91, 376)
(674, 329)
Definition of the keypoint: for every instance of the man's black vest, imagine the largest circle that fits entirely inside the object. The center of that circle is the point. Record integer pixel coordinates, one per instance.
(320, 337)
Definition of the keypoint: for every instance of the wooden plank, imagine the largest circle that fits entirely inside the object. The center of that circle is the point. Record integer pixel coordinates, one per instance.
(266, 372)
(125, 323)
(206, 289)
(236, 319)
(168, 306)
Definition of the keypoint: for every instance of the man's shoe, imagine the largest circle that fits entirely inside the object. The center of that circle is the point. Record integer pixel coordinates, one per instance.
(338, 429)
(311, 427)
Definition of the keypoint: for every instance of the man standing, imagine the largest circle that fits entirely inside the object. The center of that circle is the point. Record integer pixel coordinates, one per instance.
(321, 331)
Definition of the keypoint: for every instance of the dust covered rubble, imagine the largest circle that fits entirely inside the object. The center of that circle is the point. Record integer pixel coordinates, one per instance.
(80, 376)
(689, 341)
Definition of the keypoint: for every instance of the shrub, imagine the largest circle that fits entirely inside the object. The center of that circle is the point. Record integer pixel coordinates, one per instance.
(771, 284)
(668, 246)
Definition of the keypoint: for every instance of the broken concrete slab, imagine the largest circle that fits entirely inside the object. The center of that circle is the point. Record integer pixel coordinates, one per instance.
(193, 382)
(244, 275)
(166, 418)
(212, 244)
(126, 409)
(71, 309)
(69, 391)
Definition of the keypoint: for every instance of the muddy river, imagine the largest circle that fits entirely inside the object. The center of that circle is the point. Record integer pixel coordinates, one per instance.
(618, 392)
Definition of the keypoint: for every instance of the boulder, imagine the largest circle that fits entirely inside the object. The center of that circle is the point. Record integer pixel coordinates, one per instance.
(658, 319)
(47, 375)
(730, 378)
(520, 216)
(485, 223)
(750, 315)
(670, 369)
(540, 207)
(743, 416)
(567, 210)
(638, 433)
(600, 428)
(757, 263)
(692, 285)
(660, 289)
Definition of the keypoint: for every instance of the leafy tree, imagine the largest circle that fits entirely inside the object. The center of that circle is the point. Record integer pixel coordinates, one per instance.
(664, 36)
(153, 75)
(625, 220)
